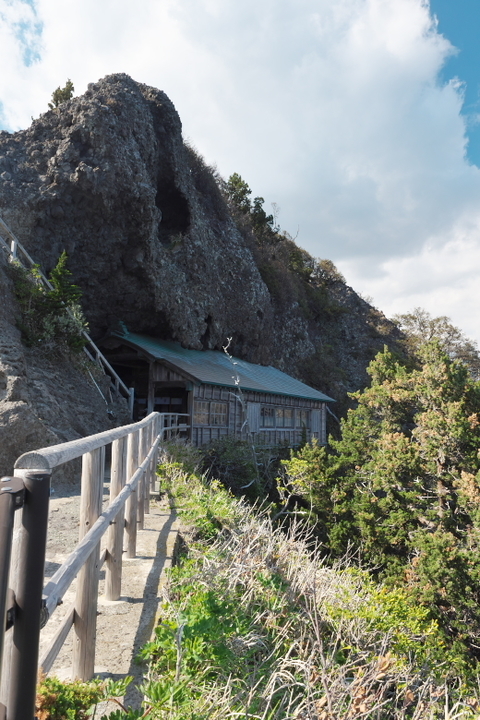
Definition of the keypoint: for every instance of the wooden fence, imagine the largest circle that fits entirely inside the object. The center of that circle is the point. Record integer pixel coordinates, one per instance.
(134, 452)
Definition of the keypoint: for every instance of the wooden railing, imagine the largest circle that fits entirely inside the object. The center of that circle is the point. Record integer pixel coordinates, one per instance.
(17, 252)
(134, 450)
(175, 425)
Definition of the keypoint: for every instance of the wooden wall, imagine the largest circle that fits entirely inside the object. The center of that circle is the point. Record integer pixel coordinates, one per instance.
(240, 405)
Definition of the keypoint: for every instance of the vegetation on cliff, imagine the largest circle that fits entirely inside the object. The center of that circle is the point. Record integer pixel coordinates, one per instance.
(51, 318)
(153, 243)
(401, 487)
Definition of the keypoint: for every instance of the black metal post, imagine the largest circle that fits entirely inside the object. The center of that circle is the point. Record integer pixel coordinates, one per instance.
(29, 573)
(11, 498)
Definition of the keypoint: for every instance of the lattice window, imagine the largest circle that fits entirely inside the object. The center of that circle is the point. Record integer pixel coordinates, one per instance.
(267, 417)
(200, 416)
(218, 413)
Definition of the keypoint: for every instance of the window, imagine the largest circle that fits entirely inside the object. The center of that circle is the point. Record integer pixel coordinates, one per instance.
(218, 413)
(200, 416)
(283, 417)
(277, 417)
(267, 417)
(303, 418)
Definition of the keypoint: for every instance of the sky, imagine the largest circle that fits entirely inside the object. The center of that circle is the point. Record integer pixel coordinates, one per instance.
(360, 119)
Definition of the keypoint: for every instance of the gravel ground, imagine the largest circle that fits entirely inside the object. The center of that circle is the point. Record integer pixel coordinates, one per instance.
(125, 625)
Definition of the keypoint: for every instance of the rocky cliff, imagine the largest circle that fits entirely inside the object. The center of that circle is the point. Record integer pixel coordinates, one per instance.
(45, 398)
(152, 242)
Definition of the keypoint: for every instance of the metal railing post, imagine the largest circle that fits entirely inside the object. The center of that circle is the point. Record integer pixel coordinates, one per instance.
(11, 498)
(28, 565)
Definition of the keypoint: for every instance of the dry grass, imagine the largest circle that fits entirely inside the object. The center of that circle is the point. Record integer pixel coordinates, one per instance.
(308, 658)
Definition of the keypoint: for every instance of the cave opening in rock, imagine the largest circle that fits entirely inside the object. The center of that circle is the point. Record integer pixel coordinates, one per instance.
(175, 211)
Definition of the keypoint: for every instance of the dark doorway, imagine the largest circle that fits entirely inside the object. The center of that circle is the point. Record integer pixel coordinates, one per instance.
(170, 398)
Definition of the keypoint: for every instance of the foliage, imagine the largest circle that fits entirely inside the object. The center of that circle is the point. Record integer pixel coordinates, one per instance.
(76, 700)
(401, 485)
(206, 505)
(49, 316)
(254, 624)
(420, 328)
(238, 194)
(61, 95)
(245, 470)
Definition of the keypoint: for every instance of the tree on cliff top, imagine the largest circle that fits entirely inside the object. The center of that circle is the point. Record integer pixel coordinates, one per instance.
(61, 95)
(420, 328)
(263, 225)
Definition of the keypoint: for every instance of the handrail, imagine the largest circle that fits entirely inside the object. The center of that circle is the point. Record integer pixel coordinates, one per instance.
(133, 474)
(13, 249)
(51, 457)
(60, 582)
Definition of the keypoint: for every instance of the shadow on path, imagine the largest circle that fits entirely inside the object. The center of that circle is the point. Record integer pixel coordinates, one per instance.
(150, 604)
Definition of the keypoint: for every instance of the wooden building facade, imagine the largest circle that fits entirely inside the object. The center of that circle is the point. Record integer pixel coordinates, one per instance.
(211, 395)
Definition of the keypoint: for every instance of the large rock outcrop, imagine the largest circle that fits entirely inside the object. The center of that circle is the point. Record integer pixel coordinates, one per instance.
(152, 243)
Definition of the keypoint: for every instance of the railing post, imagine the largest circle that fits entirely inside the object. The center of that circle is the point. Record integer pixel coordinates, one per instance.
(26, 578)
(85, 622)
(113, 574)
(131, 505)
(141, 483)
(148, 472)
(131, 400)
(153, 464)
(11, 497)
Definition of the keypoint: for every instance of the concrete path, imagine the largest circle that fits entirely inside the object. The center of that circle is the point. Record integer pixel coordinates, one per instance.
(123, 626)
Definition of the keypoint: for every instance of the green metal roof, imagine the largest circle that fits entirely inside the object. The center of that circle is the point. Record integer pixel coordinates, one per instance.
(215, 368)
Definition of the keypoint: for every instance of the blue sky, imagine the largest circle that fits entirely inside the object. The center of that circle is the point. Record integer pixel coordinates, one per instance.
(357, 117)
(459, 21)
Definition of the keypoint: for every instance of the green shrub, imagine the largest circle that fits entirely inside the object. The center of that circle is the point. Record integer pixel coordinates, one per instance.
(49, 317)
(247, 470)
(57, 700)
(76, 700)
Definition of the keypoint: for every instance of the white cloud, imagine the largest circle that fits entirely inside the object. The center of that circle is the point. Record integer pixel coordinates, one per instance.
(331, 108)
(442, 278)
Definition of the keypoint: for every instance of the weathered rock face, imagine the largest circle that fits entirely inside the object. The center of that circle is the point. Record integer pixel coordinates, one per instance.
(151, 241)
(107, 178)
(45, 400)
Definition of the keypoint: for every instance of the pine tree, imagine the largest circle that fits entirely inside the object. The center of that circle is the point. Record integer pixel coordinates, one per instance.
(61, 95)
(402, 485)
